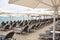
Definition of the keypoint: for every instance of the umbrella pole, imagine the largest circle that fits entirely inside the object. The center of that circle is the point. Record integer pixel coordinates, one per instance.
(54, 26)
(11, 18)
(54, 20)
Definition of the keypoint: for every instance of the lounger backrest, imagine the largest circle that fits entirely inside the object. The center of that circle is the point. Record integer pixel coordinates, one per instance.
(11, 22)
(26, 23)
(30, 22)
(38, 25)
(3, 23)
(33, 26)
(14, 25)
(26, 28)
(9, 35)
(21, 24)
(7, 26)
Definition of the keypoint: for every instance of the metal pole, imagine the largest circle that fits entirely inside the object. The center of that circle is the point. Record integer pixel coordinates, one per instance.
(39, 18)
(11, 18)
(54, 20)
(54, 26)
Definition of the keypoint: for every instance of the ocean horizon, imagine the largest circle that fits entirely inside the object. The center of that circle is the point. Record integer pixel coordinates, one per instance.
(18, 18)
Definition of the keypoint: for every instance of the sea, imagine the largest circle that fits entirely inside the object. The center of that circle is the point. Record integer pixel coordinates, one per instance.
(17, 18)
(12, 19)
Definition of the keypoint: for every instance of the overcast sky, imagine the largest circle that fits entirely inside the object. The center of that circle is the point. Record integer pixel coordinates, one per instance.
(4, 6)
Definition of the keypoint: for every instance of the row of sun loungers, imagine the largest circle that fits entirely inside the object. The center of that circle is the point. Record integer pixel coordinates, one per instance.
(34, 26)
(24, 27)
(11, 25)
(49, 33)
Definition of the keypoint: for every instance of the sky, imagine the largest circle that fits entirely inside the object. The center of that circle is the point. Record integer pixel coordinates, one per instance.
(6, 7)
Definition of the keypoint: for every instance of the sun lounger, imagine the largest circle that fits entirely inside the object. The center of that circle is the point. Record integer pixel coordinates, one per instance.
(37, 26)
(13, 25)
(25, 29)
(57, 28)
(2, 24)
(48, 36)
(48, 31)
(6, 27)
(8, 36)
(31, 28)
